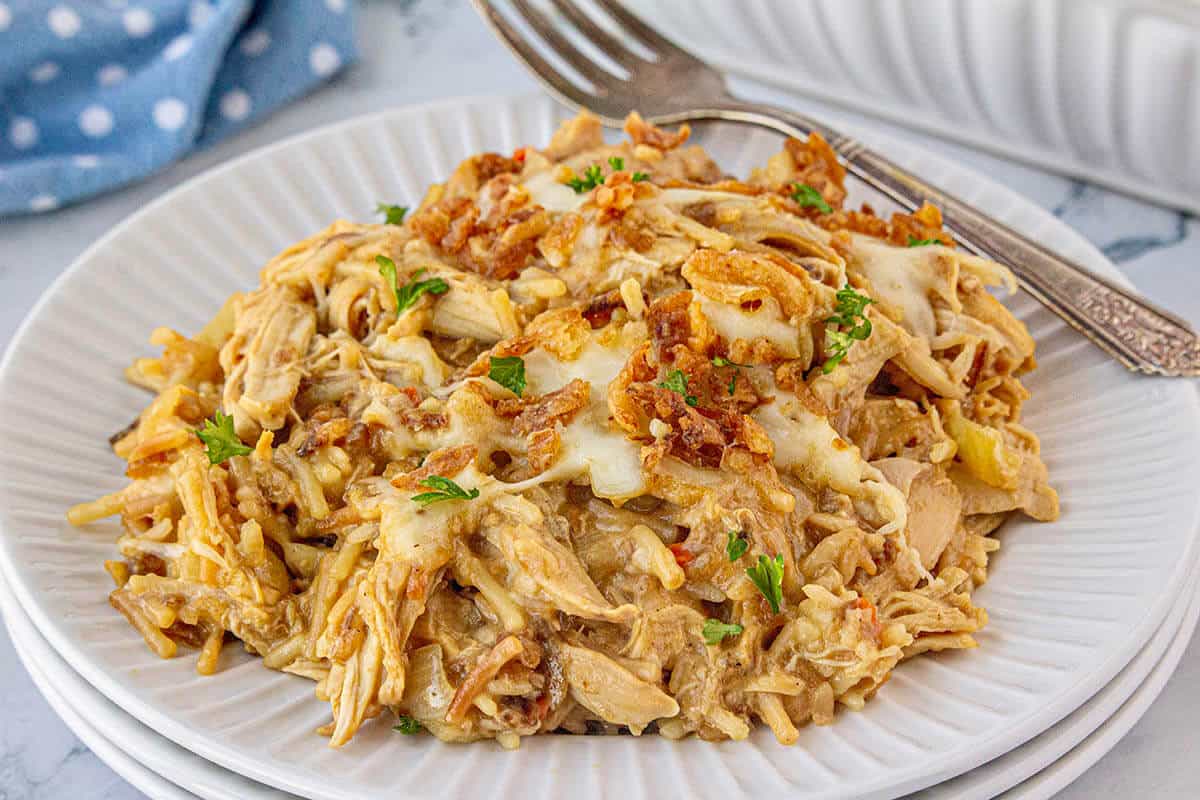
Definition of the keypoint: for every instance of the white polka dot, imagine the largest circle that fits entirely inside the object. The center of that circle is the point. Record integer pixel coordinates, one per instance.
(170, 114)
(138, 22)
(199, 13)
(86, 162)
(178, 47)
(111, 74)
(235, 105)
(23, 133)
(44, 72)
(323, 59)
(96, 121)
(5, 17)
(256, 42)
(43, 202)
(336, 6)
(63, 21)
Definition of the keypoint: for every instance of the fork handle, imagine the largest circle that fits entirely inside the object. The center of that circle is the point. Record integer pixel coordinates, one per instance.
(1137, 333)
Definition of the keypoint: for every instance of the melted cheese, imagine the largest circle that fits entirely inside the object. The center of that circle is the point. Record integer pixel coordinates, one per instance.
(734, 322)
(903, 277)
(687, 197)
(808, 446)
(591, 445)
(552, 195)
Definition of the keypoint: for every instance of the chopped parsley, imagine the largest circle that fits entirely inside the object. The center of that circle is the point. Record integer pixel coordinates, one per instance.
(915, 242)
(715, 630)
(767, 576)
(736, 547)
(677, 382)
(392, 215)
(851, 325)
(443, 489)
(509, 372)
(407, 725)
(808, 197)
(411, 292)
(221, 441)
(593, 176)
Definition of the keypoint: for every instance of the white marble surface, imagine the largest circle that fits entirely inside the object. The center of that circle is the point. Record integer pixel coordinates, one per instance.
(422, 50)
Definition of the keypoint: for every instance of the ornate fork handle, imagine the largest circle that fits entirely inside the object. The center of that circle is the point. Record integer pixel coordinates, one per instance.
(1135, 332)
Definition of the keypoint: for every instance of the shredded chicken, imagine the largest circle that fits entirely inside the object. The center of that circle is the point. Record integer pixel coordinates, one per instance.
(666, 452)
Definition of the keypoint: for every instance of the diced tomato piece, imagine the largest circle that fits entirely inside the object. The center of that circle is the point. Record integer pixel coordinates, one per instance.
(683, 556)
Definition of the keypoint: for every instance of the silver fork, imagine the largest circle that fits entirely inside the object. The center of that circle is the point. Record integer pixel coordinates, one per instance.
(674, 86)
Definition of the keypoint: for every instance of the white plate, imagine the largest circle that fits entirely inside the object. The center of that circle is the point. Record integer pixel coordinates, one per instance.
(1071, 602)
(139, 776)
(152, 763)
(1100, 89)
(1055, 778)
(1112, 710)
(1130, 693)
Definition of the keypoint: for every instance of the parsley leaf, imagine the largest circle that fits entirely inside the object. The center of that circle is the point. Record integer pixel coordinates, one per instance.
(221, 441)
(393, 215)
(509, 372)
(638, 177)
(736, 547)
(808, 197)
(617, 163)
(715, 630)
(837, 344)
(851, 305)
(677, 382)
(407, 725)
(915, 242)
(850, 313)
(444, 489)
(767, 576)
(592, 177)
(411, 292)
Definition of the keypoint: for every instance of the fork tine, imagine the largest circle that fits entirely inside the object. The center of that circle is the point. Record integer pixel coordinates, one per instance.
(555, 81)
(649, 37)
(569, 52)
(608, 43)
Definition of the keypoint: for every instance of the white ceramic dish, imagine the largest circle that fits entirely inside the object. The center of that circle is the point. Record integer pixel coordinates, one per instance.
(152, 763)
(1055, 778)
(61, 395)
(1111, 709)
(139, 776)
(1130, 693)
(1100, 89)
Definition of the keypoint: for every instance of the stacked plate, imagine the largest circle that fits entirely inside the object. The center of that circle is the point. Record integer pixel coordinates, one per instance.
(1089, 615)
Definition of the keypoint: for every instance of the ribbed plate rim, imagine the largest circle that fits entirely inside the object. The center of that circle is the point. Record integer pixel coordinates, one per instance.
(961, 759)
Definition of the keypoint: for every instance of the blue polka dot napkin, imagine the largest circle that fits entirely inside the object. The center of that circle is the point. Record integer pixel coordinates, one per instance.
(95, 94)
